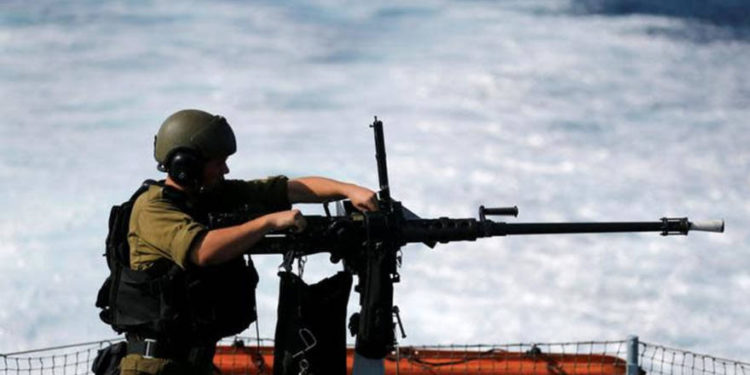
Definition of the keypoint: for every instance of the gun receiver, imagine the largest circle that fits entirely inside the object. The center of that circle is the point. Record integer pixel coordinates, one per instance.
(369, 244)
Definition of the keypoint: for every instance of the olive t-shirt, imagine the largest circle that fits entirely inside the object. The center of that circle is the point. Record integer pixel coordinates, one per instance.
(161, 228)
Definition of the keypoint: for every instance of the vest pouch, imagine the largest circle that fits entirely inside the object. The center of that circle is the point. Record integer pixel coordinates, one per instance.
(221, 298)
(102, 301)
(146, 301)
(107, 361)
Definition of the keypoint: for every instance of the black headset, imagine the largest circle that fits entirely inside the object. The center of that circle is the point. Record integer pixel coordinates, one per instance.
(186, 168)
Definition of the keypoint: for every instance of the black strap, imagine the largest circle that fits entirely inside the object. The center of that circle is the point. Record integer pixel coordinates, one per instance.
(141, 189)
(196, 355)
(150, 348)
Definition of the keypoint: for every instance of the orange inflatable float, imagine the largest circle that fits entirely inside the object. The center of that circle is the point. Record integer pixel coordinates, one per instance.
(254, 360)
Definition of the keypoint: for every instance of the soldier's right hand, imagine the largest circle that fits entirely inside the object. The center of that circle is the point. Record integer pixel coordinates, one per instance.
(292, 219)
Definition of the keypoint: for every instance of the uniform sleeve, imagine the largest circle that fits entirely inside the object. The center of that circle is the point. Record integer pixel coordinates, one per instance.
(168, 231)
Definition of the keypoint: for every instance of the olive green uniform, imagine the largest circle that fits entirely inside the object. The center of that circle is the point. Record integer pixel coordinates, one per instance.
(160, 228)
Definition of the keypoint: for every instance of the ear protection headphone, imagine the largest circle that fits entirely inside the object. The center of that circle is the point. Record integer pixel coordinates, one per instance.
(186, 168)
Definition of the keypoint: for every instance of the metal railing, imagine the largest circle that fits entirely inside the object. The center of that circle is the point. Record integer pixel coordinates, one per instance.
(627, 357)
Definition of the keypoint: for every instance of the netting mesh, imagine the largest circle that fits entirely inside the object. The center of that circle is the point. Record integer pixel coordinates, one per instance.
(658, 359)
(70, 359)
(250, 356)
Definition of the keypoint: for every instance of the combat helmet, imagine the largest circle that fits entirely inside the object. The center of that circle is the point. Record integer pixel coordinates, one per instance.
(194, 131)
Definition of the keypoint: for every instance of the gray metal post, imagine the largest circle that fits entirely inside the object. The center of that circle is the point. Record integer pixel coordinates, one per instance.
(632, 359)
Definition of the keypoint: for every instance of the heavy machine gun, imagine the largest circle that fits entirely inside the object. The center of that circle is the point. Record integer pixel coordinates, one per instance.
(369, 244)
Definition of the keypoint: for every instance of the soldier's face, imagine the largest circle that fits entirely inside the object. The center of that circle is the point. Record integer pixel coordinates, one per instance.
(214, 171)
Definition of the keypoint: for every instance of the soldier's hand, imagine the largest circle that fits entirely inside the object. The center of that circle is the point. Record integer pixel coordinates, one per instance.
(291, 219)
(362, 198)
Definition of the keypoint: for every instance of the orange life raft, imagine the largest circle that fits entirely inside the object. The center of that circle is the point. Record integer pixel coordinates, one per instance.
(254, 360)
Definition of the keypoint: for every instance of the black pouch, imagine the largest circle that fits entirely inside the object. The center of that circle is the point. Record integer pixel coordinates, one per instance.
(311, 326)
(107, 361)
(221, 298)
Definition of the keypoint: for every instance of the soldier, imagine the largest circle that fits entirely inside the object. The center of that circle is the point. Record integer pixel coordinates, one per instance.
(189, 285)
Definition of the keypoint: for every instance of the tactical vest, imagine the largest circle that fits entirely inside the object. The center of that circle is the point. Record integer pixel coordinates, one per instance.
(166, 301)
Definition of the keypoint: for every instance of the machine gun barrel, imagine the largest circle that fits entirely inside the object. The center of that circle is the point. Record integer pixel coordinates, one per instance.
(447, 230)
(667, 226)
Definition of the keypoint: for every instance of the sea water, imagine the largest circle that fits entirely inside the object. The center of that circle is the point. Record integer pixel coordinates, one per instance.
(574, 111)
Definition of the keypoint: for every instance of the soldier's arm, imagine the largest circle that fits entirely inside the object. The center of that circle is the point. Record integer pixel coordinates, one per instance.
(224, 244)
(320, 189)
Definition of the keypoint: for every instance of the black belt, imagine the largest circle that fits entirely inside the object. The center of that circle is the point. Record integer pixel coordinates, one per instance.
(152, 348)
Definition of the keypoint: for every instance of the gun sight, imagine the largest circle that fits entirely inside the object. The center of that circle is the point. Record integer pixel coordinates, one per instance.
(497, 211)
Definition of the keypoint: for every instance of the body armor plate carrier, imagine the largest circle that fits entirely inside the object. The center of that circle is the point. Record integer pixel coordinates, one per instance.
(166, 301)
